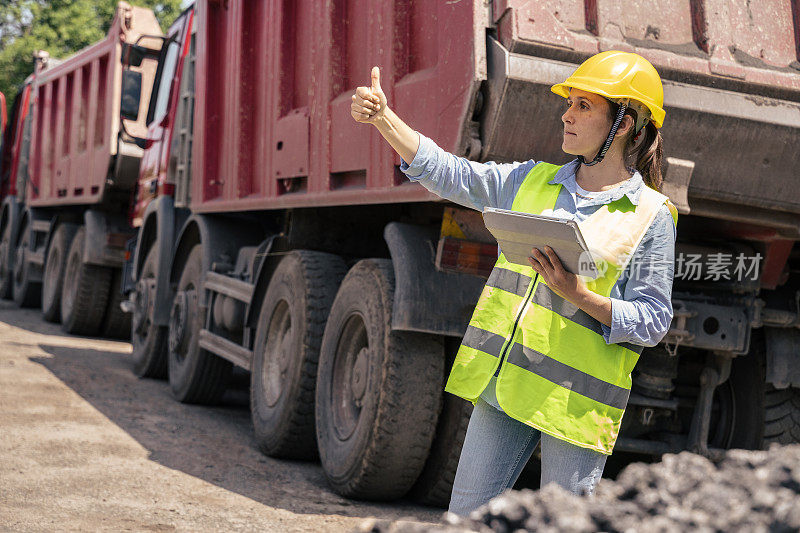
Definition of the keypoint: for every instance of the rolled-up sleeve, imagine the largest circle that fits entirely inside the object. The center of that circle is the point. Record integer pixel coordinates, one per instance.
(468, 183)
(644, 314)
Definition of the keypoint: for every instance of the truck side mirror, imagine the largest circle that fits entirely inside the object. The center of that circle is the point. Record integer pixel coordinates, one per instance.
(133, 54)
(131, 94)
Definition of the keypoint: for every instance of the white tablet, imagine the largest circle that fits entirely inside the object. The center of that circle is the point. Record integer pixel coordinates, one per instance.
(518, 233)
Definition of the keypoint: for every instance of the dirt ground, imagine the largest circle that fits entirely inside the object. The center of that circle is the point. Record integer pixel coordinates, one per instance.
(85, 445)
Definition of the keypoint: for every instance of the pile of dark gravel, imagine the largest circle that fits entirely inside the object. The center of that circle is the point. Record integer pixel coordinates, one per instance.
(746, 491)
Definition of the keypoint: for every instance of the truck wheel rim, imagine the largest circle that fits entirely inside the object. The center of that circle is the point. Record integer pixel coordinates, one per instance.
(177, 325)
(277, 353)
(141, 314)
(350, 373)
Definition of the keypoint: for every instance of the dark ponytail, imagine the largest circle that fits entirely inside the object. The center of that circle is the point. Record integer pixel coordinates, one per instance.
(647, 157)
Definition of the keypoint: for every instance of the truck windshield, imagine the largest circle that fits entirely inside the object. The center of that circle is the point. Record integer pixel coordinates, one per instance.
(167, 74)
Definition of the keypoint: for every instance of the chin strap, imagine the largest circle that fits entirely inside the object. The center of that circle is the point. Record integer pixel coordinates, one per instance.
(602, 153)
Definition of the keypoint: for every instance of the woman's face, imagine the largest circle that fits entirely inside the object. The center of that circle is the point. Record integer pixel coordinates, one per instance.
(586, 123)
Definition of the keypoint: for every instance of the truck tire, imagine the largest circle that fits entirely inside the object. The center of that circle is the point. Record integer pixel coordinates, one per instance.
(782, 416)
(378, 390)
(195, 375)
(752, 413)
(84, 295)
(27, 292)
(6, 275)
(54, 268)
(286, 351)
(435, 484)
(117, 323)
(149, 355)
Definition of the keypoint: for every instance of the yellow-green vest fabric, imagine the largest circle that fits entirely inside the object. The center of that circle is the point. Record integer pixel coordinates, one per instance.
(557, 373)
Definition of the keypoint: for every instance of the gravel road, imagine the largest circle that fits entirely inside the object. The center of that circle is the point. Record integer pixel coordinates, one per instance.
(85, 445)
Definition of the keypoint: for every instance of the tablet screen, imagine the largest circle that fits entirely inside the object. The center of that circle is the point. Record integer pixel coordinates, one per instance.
(518, 233)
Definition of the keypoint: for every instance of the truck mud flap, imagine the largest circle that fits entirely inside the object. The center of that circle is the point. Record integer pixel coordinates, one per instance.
(427, 300)
(106, 235)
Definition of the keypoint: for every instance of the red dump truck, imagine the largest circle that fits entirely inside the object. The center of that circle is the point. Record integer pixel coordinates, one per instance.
(278, 235)
(269, 239)
(69, 176)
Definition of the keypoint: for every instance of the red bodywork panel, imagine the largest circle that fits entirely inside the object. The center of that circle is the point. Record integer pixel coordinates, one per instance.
(273, 90)
(776, 249)
(11, 152)
(68, 167)
(756, 42)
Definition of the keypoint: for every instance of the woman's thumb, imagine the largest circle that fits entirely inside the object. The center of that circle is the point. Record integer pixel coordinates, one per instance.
(376, 79)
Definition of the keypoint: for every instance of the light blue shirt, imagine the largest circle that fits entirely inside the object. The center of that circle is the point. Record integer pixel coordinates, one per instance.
(641, 299)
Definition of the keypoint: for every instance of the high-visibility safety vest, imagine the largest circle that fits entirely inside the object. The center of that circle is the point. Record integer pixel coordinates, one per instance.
(556, 372)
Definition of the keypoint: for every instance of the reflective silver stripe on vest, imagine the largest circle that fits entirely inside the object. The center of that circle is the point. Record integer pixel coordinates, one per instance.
(568, 377)
(484, 341)
(548, 299)
(509, 281)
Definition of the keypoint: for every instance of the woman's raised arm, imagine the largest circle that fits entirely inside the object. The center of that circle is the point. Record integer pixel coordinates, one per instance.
(469, 183)
(369, 106)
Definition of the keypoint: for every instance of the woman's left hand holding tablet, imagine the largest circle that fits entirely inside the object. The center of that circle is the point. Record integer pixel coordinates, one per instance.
(547, 264)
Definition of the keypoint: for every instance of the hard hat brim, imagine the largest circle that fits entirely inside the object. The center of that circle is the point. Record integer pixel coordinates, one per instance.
(562, 89)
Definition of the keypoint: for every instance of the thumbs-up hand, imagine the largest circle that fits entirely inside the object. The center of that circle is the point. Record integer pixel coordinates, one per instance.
(369, 103)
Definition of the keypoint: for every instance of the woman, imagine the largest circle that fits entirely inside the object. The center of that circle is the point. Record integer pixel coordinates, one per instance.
(548, 355)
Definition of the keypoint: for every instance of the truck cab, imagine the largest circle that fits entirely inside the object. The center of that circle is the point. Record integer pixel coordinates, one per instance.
(170, 108)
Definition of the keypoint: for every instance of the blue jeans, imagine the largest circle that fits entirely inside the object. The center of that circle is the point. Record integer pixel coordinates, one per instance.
(496, 449)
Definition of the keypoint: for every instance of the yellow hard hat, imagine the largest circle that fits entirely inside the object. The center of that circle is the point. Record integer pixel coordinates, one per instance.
(619, 76)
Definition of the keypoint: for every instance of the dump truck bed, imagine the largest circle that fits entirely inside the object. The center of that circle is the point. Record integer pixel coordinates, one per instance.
(272, 122)
(74, 141)
(274, 79)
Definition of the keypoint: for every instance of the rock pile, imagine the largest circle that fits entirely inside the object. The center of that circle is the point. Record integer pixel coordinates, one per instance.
(746, 491)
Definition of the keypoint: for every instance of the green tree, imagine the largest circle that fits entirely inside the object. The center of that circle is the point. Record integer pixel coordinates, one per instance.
(61, 27)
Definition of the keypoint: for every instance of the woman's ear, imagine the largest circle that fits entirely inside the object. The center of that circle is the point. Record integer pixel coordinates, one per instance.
(626, 125)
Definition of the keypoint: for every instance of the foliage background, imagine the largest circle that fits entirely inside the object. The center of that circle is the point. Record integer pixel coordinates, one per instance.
(61, 27)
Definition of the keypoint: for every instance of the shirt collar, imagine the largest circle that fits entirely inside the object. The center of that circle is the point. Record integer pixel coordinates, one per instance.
(632, 188)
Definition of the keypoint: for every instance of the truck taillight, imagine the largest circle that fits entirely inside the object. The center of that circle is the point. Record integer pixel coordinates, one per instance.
(467, 257)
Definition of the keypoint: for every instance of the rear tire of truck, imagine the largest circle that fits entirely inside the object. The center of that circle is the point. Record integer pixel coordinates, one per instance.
(149, 340)
(286, 352)
(761, 414)
(6, 281)
(27, 293)
(195, 375)
(378, 390)
(435, 484)
(54, 268)
(782, 420)
(84, 295)
(117, 323)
